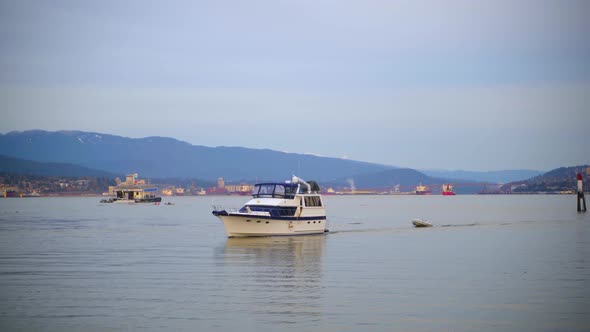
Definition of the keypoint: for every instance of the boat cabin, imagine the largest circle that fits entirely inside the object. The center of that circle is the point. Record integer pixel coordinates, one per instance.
(136, 193)
(282, 191)
(275, 190)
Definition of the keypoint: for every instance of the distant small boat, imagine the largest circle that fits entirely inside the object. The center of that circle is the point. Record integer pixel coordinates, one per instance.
(168, 203)
(421, 223)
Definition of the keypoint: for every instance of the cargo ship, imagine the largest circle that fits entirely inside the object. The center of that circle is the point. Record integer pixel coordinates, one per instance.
(447, 190)
(423, 190)
(12, 193)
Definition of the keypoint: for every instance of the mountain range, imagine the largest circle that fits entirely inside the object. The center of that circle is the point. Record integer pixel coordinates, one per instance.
(162, 157)
(488, 176)
(559, 179)
(10, 165)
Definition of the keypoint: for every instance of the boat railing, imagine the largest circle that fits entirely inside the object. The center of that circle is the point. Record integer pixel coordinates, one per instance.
(275, 211)
(283, 196)
(258, 210)
(223, 208)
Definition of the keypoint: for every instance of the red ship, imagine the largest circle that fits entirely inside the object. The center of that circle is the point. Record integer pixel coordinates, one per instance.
(447, 190)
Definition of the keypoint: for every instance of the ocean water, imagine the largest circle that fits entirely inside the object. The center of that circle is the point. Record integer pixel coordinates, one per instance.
(491, 263)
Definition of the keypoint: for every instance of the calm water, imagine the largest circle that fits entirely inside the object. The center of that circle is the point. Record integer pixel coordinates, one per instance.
(493, 263)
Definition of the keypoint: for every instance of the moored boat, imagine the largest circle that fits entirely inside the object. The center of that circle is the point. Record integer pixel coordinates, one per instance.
(291, 208)
(133, 191)
(423, 190)
(134, 194)
(13, 193)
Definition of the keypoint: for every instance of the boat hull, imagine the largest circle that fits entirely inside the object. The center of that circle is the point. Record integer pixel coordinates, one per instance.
(132, 201)
(148, 200)
(421, 223)
(251, 225)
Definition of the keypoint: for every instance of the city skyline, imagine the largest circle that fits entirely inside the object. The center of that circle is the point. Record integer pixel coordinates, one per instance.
(425, 85)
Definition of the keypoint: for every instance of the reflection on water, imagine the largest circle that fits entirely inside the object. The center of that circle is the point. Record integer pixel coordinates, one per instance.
(283, 272)
(295, 248)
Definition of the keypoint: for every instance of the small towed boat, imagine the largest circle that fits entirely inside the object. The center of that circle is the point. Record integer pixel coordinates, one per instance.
(421, 223)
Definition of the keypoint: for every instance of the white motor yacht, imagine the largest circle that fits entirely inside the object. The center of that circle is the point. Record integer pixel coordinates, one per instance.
(291, 208)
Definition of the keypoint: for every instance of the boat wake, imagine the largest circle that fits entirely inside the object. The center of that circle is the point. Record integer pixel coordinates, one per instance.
(368, 230)
(337, 228)
(459, 225)
(391, 229)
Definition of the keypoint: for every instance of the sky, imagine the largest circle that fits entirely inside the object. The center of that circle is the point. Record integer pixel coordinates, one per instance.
(473, 85)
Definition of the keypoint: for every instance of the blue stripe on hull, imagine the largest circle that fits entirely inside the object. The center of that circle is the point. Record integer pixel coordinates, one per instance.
(269, 217)
(325, 231)
(253, 216)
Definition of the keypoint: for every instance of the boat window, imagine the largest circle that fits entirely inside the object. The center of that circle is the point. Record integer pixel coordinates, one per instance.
(255, 190)
(279, 190)
(276, 190)
(290, 190)
(266, 190)
(302, 189)
(313, 201)
(275, 211)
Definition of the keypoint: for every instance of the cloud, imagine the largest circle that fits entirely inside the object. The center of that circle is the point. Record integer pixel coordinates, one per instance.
(410, 83)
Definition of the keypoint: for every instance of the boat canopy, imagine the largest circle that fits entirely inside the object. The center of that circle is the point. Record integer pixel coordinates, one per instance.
(275, 190)
(126, 190)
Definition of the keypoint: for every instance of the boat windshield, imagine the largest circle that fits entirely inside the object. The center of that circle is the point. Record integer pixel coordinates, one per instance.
(275, 190)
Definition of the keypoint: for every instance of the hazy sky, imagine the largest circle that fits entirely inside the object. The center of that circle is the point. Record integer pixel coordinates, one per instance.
(425, 84)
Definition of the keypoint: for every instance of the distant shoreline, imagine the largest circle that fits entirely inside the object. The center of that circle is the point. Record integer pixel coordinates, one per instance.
(95, 195)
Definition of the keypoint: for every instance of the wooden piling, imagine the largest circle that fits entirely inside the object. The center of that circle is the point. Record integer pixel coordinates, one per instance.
(581, 198)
